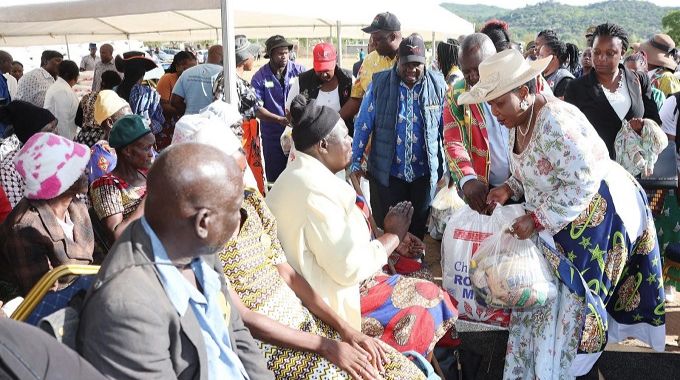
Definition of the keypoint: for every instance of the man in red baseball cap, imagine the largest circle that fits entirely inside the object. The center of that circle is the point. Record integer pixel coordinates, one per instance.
(327, 82)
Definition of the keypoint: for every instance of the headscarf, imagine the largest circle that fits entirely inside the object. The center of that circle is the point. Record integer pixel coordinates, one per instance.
(25, 118)
(212, 129)
(106, 105)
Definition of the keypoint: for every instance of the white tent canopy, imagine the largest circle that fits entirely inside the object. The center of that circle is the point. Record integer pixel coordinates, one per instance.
(78, 21)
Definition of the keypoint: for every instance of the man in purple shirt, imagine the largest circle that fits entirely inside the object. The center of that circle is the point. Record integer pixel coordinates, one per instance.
(272, 83)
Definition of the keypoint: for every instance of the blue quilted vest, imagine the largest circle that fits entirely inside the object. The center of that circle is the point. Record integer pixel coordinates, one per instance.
(386, 102)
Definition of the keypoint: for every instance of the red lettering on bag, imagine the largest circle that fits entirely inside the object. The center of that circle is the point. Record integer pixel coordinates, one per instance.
(475, 237)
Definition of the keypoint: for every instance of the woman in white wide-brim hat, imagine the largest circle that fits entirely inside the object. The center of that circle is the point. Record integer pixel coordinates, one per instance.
(593, 226)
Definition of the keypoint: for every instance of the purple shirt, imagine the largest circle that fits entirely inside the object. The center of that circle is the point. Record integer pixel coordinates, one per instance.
(269, 90)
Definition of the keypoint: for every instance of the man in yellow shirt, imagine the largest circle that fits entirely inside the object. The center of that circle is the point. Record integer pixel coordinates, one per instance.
(385, 31)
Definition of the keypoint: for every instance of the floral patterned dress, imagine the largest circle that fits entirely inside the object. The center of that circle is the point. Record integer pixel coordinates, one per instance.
(90, 131)
(249, 263)
(600, 240)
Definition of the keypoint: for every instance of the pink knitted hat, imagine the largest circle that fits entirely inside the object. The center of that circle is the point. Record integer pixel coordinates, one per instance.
(50, 164)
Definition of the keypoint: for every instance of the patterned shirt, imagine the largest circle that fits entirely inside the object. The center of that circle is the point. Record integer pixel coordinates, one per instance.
(9, 145)
(33, 86)
(90, 132)
(410, 158)
(248, 103)
(111, 195)
(146, 102)
(10, 179)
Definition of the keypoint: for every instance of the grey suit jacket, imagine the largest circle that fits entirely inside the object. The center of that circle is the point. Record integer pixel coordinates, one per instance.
(130, 330)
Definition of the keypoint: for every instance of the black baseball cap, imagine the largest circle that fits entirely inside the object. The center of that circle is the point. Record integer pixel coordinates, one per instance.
(384, 21)
(412, 49)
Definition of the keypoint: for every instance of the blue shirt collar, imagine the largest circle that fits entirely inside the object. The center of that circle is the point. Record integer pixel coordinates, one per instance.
(177, 288)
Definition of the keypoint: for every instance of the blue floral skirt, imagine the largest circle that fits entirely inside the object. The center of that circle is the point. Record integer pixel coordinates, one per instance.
(609, 268)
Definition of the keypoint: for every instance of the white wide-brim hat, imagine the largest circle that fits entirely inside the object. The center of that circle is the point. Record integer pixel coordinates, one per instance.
(501, 73)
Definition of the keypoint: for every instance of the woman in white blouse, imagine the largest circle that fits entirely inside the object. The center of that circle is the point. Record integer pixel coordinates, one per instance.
(588, 216)
(611, 93)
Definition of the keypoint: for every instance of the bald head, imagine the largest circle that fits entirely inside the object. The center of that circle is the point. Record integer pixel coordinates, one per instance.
(475, 48)
(215, 54)
(478, 41)
(194, 194)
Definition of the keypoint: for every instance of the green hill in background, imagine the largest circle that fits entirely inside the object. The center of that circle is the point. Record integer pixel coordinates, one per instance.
(641, 19)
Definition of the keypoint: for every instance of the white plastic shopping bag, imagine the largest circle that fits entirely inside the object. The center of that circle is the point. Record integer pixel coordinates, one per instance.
(444, 204)
(510, 273)
(465, 231)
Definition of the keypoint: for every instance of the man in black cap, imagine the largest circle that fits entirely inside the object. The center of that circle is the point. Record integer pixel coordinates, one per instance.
(385, 31)
(89, 61)
(402, 110)
(272, 83)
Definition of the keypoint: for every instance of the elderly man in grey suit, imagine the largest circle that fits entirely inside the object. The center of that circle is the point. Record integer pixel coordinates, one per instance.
(159, 308)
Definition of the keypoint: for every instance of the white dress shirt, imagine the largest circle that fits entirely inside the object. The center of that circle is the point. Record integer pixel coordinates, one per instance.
(62, 101)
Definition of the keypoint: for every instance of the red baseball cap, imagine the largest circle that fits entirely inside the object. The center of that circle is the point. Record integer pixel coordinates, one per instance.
(324, 57)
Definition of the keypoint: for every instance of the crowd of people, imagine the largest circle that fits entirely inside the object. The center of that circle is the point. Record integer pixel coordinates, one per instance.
(281, 236)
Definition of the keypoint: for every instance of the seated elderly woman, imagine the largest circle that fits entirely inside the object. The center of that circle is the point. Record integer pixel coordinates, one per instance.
(593, 225)
(279, 307)
(118, 197)
(50, 226)
(328, 241)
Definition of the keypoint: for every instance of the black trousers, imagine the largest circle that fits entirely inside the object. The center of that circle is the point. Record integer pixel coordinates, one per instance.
(417, 192)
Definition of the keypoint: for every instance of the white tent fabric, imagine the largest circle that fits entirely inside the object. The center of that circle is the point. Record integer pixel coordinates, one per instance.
(78, 21)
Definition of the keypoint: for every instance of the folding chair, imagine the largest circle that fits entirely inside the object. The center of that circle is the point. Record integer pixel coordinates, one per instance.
(41, 301)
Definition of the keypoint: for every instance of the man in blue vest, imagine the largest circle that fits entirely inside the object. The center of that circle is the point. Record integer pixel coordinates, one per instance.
(402, 111)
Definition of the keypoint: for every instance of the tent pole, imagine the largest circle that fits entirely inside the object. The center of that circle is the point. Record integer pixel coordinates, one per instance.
(339, 31)
(68, 51)
(434, 50)
(228, 52)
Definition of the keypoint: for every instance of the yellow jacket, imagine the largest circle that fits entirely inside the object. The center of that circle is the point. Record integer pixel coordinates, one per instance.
(324, 234)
